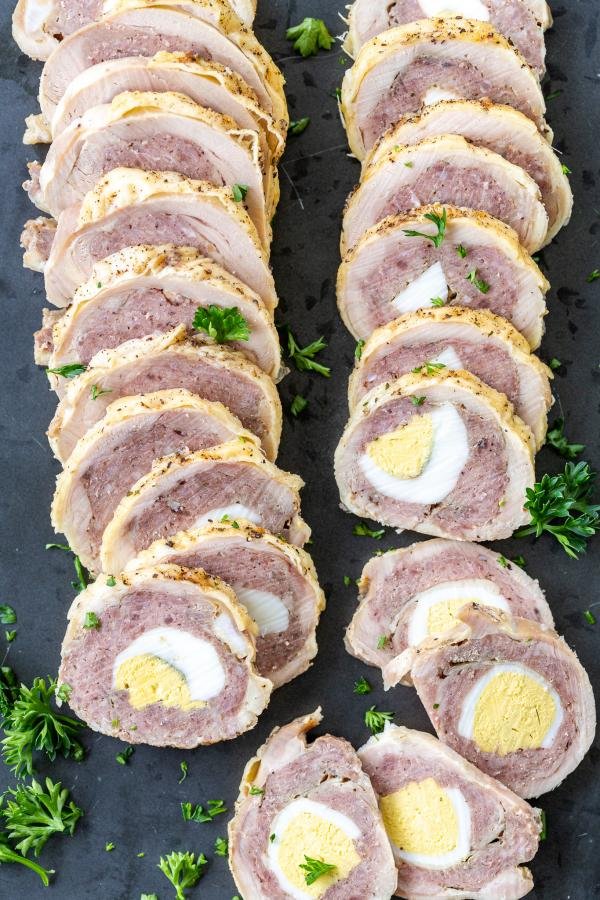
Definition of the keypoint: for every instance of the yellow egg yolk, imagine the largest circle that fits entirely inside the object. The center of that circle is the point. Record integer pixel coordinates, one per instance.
(420, 818)
(150, 679)
(514, 712)
(443, 616)
(405, 451)
(311, 835)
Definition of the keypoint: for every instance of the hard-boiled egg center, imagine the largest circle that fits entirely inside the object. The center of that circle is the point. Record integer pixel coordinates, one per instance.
(436, 609)
(404, 452)
(169, 666)
(309, 829)
(511, 708)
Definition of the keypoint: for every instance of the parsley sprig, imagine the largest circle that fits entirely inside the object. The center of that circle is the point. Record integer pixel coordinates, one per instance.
(560, 505)
(375, 719)
(436, 239)
(315, 868)
(194, 812)
(310, 36)
(33, 814)
(304, 357)
(222, 323)
(183, 870)
(556, 439)
(8, 855)
(363, 530)
(83, 577)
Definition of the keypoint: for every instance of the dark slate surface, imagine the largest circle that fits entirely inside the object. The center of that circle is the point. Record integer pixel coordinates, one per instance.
(137, 806)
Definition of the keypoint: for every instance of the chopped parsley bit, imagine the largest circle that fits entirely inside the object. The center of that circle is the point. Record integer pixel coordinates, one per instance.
(183, 870)
(9, 690)
(229, 521)
(194, 812)
(556, 439)
(417, 401)
(304, 357)
(96, 391)
(184, 771)
(298, 405)
(375, 720)
(559, 505)
(32, 724)
(115, 723)
(566, 170)
(544, 824)
(359, 349)
(256, 791)
(383, 641)
(111, 581)
(125, 755)
(589, 617)
(221, 846)
(439, 222)
(363, 530)
(436, 705)
(222, 323)
(109, 846)
(310, 36)
(10, 636)
(149, 897)
(297, 126)
(554, 364)
(337, 93)
(91, 620)
(479, 283)
(438, 302)
(71, 370)
(519, 561)
(429, 368)
(239, 192)
(7, 614)
(83, 576)
(33, 814)
(272, 837)
(141, 854)
(593, 276)
(362, 686)
(409, 164)
(462, 251)
(347, 580)
(503, 561)
(553, 94)
(315, 868)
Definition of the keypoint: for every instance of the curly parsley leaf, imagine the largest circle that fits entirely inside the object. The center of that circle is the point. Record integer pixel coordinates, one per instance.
(437, 302)
(8, 855)
(238, 192)
(429, 368)
(375, 720)
(362, 686)
(194, 812)
(125, 755)
(7, 614)
(9, 690)
(315, 868)
(556, 439)
(183, 870)
(436, 239)
(298, 405)
(71, 370)
(222, 323)
(297, 126)
(34, 813)
(91, 620)
(304, 357)
(481, 285)
(363, 530)
(310, 36)
(221, 846)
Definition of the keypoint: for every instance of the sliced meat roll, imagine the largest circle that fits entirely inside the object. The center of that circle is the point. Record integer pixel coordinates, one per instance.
(479, 263)
(205, 28)
(413, 594)
(438, 453)
(121, 448)
(188, 490)
(455, 832)
(155, 132)
(129, 207)
(499, 128)
(450, 170)
(165, 657)
(302, 802)
(274, 580)
(150, 290)
(160, 363)
(521, 21)
(207, 83)
(473, 340)
(508, 695)
(411, 66)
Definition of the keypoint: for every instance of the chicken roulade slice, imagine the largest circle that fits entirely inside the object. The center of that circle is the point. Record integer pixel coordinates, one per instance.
(414, 594)
(439, 453)
(501, 129)
(446, 170)
(121, 448)
(205, 28)
(129, 207)
(523, 22)
(150, 290)
(274, 580)
(507, 694)
(406, 68)
(40, 25)
(473, 340)
(455, 832)
(475, 261)
(165, 362)
(187, 490)
(155, 132)
(206, 83)
(303, 802)
(164, 657)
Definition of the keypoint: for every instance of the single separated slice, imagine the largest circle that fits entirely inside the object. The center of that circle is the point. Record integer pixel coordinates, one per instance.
(396, 267)
(473, 340)
(145, 290)
(408, 67)
(507, 694)
(186, 490)
(165, 657)
(304, 802)
(121, 448)
(161, 362)
(446, 170)
(274, 580)
(155, 131)
(438, 453)
(455, 832)
(414, 594)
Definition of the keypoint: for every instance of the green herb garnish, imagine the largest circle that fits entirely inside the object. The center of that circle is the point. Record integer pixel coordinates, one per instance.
(96, 391)
(359, 349)
(310, 36)
(362, 686)
(33, 814)
(593, 276)
(556, 439)
(429, 368)
(183, 870)
(462, 251)
(91, 620)
(383, 641)
(221, 846)
(238, 192)
(439, 222)
(589, 617)
(363, 530)
(70, 370)
(256, 791)
(222, 323)
(7, 855)
(566, 170)
(83, 577)
(194, 812)
(315, 868)
(375, 720)
(298, 405)
(438, 302)
(417, 401)
(7, 614)
(184, 771)
(479, 283)
(297, 126)
(304, 357)
(125, 755)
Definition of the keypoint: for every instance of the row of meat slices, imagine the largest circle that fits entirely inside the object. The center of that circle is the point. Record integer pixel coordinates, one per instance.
(459, 185)
(165, 123)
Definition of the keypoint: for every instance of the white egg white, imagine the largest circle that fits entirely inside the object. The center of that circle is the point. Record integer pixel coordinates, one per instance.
(420, 292)
(268, 610)
(470, 9)
(469, 589)
(233, 511)
(435, 94)
(449, 358)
